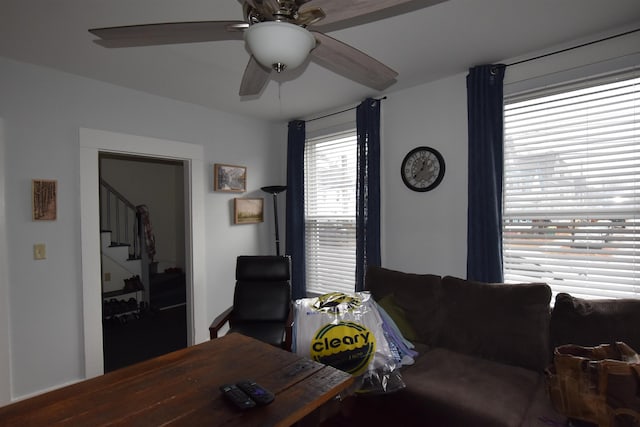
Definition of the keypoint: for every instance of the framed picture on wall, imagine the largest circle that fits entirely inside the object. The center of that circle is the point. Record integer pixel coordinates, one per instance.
(229, 178)
(248, 211)
(44, 197)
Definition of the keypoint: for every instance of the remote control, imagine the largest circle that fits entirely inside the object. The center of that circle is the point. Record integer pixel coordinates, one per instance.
(236, 396)
(259, 394)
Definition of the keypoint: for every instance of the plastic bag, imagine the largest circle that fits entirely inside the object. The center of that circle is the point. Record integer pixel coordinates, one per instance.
(345, 331)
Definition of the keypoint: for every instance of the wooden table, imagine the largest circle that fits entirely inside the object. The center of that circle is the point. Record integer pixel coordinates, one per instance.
(181, 388)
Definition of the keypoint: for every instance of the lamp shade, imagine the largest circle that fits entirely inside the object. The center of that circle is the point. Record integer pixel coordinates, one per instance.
(279, 45)
(274, 189)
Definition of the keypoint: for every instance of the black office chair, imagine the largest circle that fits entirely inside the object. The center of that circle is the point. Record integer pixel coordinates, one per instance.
(261, 301)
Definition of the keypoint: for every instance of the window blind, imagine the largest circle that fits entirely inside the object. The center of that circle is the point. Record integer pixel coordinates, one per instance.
(571, 209)
(330, 212)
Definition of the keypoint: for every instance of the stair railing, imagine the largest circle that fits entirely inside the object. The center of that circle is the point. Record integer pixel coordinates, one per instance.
(119, 215)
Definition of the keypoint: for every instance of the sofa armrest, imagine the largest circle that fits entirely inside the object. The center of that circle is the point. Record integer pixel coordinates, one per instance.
(219, 322)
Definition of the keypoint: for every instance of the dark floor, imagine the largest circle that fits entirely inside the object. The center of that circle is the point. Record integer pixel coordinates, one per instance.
(152, 334)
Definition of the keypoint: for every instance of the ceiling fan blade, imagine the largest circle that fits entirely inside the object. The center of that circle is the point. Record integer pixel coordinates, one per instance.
(169, 33)
(351, 63)
(255, 78)
(356, 12)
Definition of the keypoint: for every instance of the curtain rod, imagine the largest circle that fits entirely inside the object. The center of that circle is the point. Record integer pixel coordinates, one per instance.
(340, 112)
(573, 47)
(508, 65)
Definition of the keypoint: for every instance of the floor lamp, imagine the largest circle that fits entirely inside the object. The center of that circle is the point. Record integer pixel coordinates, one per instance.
(274, 190)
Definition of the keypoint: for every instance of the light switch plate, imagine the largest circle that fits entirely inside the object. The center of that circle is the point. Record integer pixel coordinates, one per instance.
(39, 251)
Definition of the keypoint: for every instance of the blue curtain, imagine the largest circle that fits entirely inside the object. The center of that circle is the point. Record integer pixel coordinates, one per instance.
(484, 223)
(294, 243)
(368, 188)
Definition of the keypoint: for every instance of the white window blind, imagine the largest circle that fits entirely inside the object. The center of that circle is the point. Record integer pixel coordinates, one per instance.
(571, 210)
(330, 212)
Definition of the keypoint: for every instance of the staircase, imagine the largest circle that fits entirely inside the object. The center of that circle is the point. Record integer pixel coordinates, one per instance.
(122, 254)
(117, 264)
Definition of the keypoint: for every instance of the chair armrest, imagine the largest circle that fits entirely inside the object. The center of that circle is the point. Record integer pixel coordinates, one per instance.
(288, 329)
(219, 322)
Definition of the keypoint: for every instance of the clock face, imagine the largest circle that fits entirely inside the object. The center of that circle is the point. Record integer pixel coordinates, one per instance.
(422, 169)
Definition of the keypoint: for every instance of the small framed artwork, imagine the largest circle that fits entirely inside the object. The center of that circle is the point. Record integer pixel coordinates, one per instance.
(229, 178)
(44, 198)
(248, 211)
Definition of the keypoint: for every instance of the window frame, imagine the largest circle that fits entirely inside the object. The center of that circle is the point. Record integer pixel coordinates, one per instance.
(327, 269)
(559, 280)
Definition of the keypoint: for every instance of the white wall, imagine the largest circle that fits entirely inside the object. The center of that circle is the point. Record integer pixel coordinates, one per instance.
(43, 111)
(426, 232)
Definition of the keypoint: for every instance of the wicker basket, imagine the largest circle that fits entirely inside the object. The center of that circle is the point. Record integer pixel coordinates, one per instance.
(598, 384)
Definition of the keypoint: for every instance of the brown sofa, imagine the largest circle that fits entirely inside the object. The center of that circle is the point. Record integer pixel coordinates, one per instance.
(483, 349)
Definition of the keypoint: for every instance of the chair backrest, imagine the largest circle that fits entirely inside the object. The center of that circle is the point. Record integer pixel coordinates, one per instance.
(263, 290)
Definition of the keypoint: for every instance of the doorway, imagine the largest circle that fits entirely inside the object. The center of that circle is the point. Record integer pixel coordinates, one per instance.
(92, 142)
(143, 279)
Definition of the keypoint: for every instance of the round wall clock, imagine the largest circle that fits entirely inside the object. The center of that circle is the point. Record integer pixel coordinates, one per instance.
(422, 169)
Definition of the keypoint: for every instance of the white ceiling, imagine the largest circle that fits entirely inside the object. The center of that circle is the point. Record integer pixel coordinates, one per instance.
(423, 45)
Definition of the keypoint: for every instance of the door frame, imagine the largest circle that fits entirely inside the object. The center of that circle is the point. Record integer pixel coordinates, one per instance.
(5, 331)
(92, 142)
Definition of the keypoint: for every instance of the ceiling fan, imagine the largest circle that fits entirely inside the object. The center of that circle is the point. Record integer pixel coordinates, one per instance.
(277, 37)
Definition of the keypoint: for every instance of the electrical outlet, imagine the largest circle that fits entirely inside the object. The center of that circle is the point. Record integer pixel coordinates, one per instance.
(107, 277)
(39, 251)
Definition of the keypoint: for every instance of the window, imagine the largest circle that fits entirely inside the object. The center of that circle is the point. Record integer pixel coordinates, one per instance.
(330, 212)
(571, 210)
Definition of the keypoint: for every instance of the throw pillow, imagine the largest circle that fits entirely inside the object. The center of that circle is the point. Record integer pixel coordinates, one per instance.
(397, 313)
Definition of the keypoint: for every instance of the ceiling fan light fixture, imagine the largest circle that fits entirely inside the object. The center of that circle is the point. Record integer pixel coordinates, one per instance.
(279, 45)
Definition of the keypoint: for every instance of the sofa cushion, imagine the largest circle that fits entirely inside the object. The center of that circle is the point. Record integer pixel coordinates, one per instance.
(462, 390)
(418, 295)
(593, 322)
(541, 411)
(508, 323)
